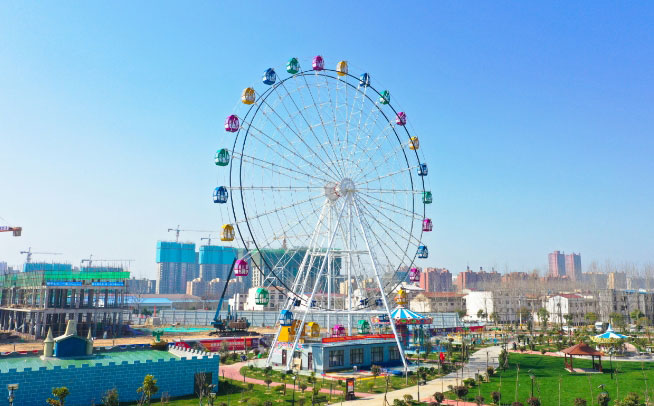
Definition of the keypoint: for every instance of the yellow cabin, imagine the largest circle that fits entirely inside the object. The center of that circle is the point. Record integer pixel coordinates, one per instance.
(414, 143)
(227, 233)
(400, 299)
(341, 68)
(312, 329)
(248, 96)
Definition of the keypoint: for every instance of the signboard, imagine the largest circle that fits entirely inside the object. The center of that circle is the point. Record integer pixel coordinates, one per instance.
(349, 385)
(216, 345)
(107, 283)
(63, 283)
(361, 337)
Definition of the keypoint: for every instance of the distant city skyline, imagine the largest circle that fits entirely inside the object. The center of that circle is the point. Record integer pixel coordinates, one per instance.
(535, 120)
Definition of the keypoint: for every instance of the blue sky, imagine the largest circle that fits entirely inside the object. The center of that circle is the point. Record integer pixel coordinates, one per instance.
(536, 119)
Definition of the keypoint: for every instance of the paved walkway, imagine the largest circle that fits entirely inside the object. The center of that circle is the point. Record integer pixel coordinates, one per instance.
(234, 372)
(477, 363)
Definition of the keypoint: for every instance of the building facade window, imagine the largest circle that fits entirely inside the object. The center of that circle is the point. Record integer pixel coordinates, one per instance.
(336, 358)
(393, 354)
(356, 356)
(377, 354)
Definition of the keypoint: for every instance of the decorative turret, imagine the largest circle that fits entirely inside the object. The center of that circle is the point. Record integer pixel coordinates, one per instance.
(89, 343)
(48, 344)
(71, 328)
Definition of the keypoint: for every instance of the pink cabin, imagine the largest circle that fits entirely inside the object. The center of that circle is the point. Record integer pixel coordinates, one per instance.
(318, 63)
(338, 330)
(427, 225)
(231, 124)
(414, 275)
(241, 268)
(401, 118)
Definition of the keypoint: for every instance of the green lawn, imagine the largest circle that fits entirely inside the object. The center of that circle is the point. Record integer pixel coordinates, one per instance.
(235, 393)
(549, 373)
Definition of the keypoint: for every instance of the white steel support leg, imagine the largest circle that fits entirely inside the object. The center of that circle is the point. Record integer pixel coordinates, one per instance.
(329, 271)
(300, 328)
(291, 299)
(381, 288)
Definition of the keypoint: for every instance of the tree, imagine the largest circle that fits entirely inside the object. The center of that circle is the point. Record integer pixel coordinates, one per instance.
(481, 314)
(303, 387)
(503, 359)
(568, 319)
(439, 397)
(495, 317)
(479, 400)
(533, 401)
(268, 381)
(496, 396)
(524, 313)
(603, 399)
(635, 315)
(544, 317)
(60, 395)
(632, 399)
(110, 398)
(428, 347)
(376, 371)
(462, 313)
(460, 391)
(617, 319)
(147, 390)
(591, 317)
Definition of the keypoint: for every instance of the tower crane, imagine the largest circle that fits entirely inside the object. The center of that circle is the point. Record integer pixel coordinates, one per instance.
(16, 230)
(90, 260)
(209, 238)
(29, 254)
(177, 230)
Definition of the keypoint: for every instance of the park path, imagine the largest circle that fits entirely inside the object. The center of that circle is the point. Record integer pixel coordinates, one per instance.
(476, 364)
(234, 372)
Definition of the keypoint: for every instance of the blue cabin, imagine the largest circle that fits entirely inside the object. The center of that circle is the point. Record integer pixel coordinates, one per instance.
(220, 195)
(423, 252)
(379, 302)
(297, 302)
(286, 318)
(313, 303)
(384, 318)
(269, 76)
(363, 302)
(364, 80)
(422, 170)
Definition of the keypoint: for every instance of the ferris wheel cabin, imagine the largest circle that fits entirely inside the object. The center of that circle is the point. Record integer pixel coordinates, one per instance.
(220, 194)
(414, 143)
(427, 225)
(231, 124)
(385, 97)
(423, 252)
(292, 66)
(338, 331)
(341, 68)
(269, 76)
(364, 80)
(414, 275)
(222, 157)
(363, 327)
(241, 268)
(318, 63)
(286, 318)
(248, 96)
(422, 170)
(400, 119)
(426, 197)
(227, 233)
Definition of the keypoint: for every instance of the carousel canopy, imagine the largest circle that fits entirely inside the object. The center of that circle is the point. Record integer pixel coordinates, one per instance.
(609, 336)
(402, 315)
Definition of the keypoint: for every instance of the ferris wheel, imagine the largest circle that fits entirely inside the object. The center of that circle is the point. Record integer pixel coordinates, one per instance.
(324, 185)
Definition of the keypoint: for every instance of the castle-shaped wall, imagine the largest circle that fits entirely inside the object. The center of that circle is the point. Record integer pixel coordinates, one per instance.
(89, 382)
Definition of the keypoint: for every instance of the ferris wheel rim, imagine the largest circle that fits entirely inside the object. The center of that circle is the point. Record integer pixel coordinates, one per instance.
(252, 113)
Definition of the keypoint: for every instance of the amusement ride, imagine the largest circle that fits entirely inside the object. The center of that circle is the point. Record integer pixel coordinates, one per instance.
(323, 184)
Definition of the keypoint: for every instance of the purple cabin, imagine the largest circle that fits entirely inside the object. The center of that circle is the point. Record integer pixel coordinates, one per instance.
(427, 225)
(318, 63)
(401, 118)
(338, 330)
(241, 268)
(231, 124)
(414, 275)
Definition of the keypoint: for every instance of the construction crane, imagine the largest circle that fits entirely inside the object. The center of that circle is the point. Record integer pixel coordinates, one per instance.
(16, 230)
(209, 238)
(231, 325)
(90, 260)
(177, 230)
(29, 254)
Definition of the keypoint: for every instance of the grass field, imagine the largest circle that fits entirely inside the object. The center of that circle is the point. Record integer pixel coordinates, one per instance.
(548, 373)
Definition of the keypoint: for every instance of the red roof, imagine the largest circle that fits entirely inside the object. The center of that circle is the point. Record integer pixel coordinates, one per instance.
(443, 294)
(582, 349)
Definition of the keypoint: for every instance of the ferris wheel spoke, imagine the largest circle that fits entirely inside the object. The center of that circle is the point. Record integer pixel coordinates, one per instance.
(292, 152)
(361, 131)
(274, 166)
(258, 215)
(372, 190)
(276, 188)
(388, 175)
(397, 209)
(283, 84)
(369, 153)
(400, 228)
(389, 236)
(388, 155)
(299, 137)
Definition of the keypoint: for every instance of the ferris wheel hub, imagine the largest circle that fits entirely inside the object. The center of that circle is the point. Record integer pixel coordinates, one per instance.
(335, 190)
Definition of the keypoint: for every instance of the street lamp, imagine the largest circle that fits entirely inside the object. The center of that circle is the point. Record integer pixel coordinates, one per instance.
(11, 388)
(532, 377)
(294, 379)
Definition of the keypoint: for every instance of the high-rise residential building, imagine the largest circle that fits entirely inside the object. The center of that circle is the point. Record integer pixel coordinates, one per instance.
(557, 264)
(616, 280)
(215, 261)
(573, 266)
(472, 280)
(436, 280)
(177, 263)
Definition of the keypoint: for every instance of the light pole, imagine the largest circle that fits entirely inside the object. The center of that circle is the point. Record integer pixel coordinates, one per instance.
(531, 376)
(11, 388)
(294, 379)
